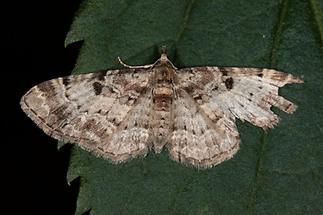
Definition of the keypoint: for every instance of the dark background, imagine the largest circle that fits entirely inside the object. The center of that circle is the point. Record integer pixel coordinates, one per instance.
(33, 170)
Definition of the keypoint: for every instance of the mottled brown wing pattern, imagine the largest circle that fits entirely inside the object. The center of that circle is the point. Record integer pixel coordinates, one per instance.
(211, 98)
(198, 138)
(243, 93)
(120, 114)
(104, 112)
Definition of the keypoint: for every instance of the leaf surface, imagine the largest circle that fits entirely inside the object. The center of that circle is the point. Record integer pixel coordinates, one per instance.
(278, 172)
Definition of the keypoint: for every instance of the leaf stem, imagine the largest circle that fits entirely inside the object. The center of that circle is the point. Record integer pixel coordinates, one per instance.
(318, 16)
(185, 20)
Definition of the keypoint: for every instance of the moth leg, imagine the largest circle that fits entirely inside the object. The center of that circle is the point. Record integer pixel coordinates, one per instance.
(135, 67)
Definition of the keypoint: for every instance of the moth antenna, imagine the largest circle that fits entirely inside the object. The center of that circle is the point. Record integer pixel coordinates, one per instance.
(134, 67)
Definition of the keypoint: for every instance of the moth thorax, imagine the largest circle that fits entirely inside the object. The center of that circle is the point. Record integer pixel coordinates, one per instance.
(164, 74)
(163, 92)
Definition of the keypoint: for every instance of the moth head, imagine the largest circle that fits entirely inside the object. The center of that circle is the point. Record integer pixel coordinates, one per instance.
(163, 60)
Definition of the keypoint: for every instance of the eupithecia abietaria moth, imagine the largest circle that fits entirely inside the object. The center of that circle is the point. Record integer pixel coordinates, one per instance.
(121, 114)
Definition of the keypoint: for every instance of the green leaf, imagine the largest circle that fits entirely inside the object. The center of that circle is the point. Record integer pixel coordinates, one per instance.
(278, 172)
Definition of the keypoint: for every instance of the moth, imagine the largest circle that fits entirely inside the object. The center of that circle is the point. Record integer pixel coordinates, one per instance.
(123, 113)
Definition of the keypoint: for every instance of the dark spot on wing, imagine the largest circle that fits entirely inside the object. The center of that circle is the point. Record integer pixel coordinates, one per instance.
(229, 83)
(215, 88)
(287, 107)
(223, 70)
(97, 88)
(260, 75)
(198, 98)
(251, 94)
(189, 89)
(66, 81)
